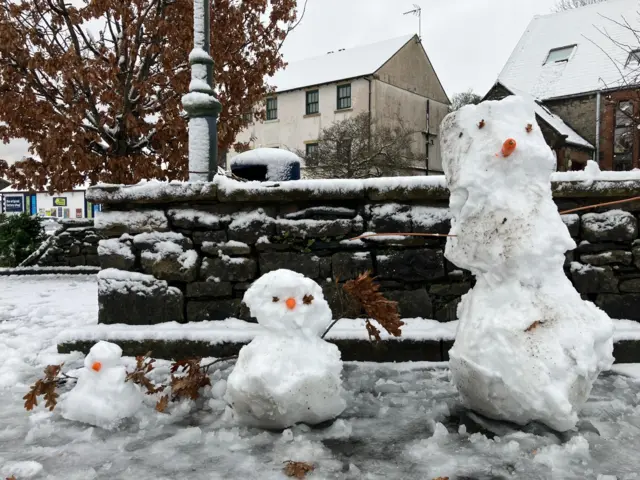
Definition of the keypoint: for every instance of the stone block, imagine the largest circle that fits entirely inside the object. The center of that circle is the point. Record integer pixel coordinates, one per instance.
(209, 289)
(189, 218)
(227, 248)
(198, 311)
(306, 264)
(137, 299)
(148, 241)
(450, 289)
(250, 227)
(74, 250)
(92, 260)
(77, 261)
(116, 253)
(636, 253)
(346, 265)
(412, 303)
(113, 223)
(611, 226)
(324, 267)
(630, 286)
(229, 269)
(318, 228)
(626, 306)
(92, 238)
(608, 258)
(572, 221)
(448, 312)
(411, 265)
(215, 236)
(389, 218)
(172, 266)
(588, 279)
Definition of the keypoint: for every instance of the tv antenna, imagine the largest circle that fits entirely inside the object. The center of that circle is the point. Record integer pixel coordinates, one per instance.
(417, 11)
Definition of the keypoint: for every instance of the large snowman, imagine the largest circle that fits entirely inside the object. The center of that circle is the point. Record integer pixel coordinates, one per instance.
(287, 374)
(527, 347)
(102, 397)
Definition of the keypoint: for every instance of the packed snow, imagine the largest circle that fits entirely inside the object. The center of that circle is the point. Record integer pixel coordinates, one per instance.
(101, 396)
(287, 374)
(507, 231)
(389, 429)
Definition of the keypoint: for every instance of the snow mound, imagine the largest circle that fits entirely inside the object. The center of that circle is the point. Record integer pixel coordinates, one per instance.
(279, 163)
(102, 397)
(280, 381)
(508, 232)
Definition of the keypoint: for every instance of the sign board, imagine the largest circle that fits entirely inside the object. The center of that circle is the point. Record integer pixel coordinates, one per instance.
(78, 213)
(14, 204)
(59, 201)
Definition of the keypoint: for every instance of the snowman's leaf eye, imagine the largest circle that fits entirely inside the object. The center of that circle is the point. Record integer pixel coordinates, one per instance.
(276, 299)
(307, 299)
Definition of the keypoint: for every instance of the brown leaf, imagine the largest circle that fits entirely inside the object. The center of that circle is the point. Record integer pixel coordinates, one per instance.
(31, 398)
(441, 478)
(50, 396)
(529, 128)
(297, 469)
(12, 477)
(45, 386)
(481, 124)
(533, 326)
(376, 306)
(144, 365)
(162, 404)
(307, 299)
(189, 384)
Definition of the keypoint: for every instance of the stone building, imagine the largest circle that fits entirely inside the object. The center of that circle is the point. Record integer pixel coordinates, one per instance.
(390, 79)
(580, 68)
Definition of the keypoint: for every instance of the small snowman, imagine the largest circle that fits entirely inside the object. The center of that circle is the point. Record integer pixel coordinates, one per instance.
(287, 374)
(102, 397)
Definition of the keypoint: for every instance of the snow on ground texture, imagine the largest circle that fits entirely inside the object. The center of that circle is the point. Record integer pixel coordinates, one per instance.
(386, 432)
(509, 234)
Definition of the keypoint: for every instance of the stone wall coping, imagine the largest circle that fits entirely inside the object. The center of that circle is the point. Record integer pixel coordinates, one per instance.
(38, 270)
(428, 188)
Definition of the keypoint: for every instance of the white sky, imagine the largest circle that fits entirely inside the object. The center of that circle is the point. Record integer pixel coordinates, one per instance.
(468, 41)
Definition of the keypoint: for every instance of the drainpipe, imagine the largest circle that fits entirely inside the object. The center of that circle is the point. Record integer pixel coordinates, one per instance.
(368, 79)
(597, 152)
(428, 132)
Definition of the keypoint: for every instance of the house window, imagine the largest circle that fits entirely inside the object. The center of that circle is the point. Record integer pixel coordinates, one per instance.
(558, 55)
(344, 96)
(272, 108)
(343, 150)
(313, 102)
(633, 60)
(311, 151)
(623, 137)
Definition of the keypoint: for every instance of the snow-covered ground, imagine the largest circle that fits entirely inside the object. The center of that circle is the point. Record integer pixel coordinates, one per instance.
(402, 421)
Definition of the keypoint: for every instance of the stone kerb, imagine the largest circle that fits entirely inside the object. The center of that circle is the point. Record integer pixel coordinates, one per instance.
(188, 251)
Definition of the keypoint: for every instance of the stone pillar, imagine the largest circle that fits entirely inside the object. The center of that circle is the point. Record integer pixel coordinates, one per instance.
(200, 103)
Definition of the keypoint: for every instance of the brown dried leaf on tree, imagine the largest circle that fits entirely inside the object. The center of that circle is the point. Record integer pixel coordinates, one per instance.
(189, 384)
(12, 477)
(45, 387)
(297, 469)
(375, 305)
(105, 105)
(144, 365)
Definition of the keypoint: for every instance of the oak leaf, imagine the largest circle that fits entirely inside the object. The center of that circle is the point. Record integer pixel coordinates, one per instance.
(298, 469)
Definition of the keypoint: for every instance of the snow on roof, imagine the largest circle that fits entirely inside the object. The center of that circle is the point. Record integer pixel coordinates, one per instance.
(553, 120)
(340, 65)
(590, 67)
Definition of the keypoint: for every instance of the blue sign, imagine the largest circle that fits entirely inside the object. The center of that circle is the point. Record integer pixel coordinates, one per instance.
(14, 204)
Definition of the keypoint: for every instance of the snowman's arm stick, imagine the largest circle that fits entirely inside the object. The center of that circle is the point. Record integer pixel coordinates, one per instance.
(329, 328)
(367, 235)
(589, 207)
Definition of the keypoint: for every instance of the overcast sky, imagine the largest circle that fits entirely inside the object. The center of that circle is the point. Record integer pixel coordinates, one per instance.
(468, 41)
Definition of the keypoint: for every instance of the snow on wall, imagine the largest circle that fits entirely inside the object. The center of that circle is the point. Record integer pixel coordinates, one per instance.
(135, 221)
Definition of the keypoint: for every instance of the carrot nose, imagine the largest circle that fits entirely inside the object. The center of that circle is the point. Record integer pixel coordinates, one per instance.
(291, 303)
(508, 147)
(96, 366)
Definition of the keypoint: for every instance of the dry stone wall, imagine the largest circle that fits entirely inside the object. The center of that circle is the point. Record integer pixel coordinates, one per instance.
(188, 252)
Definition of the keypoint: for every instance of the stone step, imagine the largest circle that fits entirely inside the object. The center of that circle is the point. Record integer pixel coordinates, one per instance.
(423, 340)
(36, 270)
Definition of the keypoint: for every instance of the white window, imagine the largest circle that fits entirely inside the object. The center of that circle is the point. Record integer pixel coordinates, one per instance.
(562, 54)
(633, 60)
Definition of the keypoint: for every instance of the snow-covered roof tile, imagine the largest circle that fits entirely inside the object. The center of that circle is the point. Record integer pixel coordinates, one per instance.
(340, 65)
(590, 67)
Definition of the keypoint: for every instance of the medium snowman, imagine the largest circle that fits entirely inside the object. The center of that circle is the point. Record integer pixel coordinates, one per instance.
(528, 348)
(287, 374)
(102, 397)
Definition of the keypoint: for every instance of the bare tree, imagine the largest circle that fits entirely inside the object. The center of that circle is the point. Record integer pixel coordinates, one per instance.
(459, 100)
(563, 5)
(360, 147)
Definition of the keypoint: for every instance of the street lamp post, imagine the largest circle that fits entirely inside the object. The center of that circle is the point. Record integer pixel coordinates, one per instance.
(200, 103)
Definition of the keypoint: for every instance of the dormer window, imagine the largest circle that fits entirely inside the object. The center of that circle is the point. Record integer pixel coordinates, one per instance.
(558, 55)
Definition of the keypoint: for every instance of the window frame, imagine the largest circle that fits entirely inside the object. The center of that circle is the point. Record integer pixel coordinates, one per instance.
(272, 109)
(571, 48)
(308, 104)
(339, 97)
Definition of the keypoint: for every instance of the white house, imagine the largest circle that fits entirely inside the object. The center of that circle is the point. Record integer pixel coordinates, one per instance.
(71, 204)
(390, 79)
